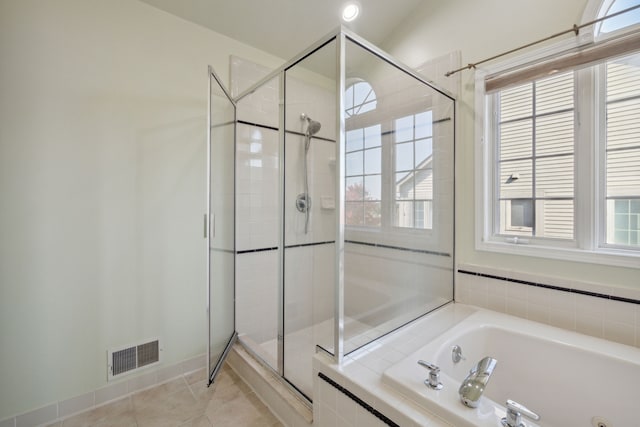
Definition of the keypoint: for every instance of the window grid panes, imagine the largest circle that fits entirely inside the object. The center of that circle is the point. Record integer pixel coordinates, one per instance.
(413, 168)
(359, 98)
(363, 183)
(535, 149)
(548, 153)
(622, 178)
(621, 21)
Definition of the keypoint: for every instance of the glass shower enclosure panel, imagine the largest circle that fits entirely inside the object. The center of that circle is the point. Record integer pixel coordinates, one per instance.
(309, 211)
(219, 226)
(398, 196)
(258, 218)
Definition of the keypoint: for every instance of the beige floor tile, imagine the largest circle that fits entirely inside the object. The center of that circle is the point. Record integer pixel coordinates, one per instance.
(197, 376)
(151, 395)
(201, 421)
(185, 402)
(119, 412)
(169, 410)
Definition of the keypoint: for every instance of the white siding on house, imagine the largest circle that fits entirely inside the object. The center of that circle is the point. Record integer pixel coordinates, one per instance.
(536, 161)
(623, 151)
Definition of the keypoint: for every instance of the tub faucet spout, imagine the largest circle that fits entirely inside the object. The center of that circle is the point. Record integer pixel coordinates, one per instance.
(473, 386)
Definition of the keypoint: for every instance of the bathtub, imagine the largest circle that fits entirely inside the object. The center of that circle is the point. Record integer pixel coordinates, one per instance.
(567, 378)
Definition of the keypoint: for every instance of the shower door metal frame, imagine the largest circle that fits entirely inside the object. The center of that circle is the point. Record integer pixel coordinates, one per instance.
(341, 35)
(213, 372)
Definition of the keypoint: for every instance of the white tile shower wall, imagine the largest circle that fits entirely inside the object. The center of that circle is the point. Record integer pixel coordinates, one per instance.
(600, 317)
(309, 272)
(308, 309)
(321, 189)
(308, 93)
(257, 181)
(314, 96)
(244, 74)
(378, 276)
(257, 297)
(262, 106)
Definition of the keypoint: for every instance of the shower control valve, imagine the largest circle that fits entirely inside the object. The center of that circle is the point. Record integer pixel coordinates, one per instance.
(303, 202)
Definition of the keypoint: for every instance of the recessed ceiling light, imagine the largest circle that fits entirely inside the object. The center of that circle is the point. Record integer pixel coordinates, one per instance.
(350, 12)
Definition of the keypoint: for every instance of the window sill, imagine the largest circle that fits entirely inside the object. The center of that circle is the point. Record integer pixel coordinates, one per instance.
(612, 257)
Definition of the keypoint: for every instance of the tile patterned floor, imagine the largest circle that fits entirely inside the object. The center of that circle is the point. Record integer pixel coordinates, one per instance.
(183, 402)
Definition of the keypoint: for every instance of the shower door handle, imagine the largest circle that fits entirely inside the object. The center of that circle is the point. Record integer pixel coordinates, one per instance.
(212, 228)
(205, 226)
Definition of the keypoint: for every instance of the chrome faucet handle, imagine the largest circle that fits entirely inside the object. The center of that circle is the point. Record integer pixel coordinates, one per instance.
(514, 414)
(456, 354)
(434, 375)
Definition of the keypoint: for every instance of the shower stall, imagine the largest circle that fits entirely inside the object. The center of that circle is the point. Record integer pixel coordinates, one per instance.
(331, 205)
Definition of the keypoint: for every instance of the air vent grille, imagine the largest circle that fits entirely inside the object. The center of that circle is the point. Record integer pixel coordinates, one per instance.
(123, 361)
(148, 353)
(126, 360)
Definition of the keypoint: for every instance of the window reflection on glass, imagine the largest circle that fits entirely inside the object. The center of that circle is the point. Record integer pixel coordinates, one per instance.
(413, 156)
(359, 98)
(363, 183)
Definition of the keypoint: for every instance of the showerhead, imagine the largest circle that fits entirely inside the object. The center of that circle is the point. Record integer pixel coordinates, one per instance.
(313, 127)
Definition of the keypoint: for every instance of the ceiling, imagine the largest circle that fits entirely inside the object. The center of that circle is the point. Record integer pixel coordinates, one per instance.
(286, 27)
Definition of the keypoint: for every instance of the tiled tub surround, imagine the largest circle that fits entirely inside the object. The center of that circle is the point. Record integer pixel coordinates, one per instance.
(547, 369)
(601, 311)
(361, 374)
(382, 290)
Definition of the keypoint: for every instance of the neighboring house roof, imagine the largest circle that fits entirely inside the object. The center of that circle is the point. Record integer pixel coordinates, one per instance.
(405, 184)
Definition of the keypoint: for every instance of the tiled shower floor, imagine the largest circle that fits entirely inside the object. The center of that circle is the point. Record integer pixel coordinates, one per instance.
(183, 402)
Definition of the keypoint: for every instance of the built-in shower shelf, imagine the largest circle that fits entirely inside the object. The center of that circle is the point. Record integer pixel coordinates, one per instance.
(327, 202)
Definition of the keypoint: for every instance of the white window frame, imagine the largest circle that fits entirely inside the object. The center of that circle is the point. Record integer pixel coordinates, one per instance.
(388, 232)
(589, 205)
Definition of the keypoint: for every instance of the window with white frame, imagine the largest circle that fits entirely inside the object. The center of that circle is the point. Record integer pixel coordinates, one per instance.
(621, 179)
(535, 156)
(413, 168)
(396, 192)
(561, 158)
(363, 167)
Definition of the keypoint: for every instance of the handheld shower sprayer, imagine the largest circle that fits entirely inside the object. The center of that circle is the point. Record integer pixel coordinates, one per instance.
(303, 201)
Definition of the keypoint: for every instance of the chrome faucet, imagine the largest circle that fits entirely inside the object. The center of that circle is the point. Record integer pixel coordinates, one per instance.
(515, 411)
(434, 375)
(473, 386)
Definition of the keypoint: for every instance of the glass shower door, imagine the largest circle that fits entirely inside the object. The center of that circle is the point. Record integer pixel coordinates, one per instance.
(219, 226)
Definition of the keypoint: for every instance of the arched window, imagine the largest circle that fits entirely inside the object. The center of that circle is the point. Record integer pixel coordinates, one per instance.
(619, 22)
(359, 98)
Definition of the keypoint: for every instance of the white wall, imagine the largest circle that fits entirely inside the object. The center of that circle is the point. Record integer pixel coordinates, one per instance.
(102, 173)
(480, 30)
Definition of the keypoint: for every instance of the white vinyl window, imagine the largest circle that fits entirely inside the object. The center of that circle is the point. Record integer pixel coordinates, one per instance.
(535, 149)
(363, 182)
(388, 167)
(621, 177)
(413, 168)
(559, 160)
